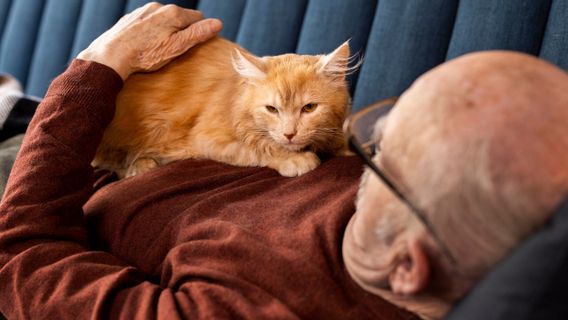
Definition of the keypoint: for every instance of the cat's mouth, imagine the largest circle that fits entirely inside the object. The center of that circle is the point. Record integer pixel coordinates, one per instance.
(294, 146)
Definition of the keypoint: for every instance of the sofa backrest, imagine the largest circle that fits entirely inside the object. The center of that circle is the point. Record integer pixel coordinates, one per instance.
(399, 40)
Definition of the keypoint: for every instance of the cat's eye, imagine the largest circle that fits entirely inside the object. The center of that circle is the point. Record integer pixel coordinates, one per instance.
(310, 107)
(271, 109)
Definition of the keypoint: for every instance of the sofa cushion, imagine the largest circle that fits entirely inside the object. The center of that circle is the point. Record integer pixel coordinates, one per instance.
(510, 25)
(407, 39)
(400, 40)
(19, 37)
(58, 24)
(328, 23)
(271, 27)
(554, 46)
(230, 12)
(96, 17)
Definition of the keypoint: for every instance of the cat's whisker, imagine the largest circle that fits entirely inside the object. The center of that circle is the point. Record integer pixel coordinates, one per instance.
(328, 131)
(347, 66)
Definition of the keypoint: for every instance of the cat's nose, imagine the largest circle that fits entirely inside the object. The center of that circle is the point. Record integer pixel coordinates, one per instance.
(289, 136)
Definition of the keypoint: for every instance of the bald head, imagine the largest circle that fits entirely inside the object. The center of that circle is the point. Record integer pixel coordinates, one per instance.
(489, 137)
(480, 144)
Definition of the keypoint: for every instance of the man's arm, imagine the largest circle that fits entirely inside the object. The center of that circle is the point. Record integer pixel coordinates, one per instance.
(46, 268)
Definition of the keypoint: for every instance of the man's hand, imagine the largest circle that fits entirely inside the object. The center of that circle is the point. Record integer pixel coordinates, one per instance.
(150, 37)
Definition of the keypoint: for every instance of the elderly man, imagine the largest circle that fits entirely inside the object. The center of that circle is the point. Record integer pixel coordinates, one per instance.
(199, 239)
(478, 149)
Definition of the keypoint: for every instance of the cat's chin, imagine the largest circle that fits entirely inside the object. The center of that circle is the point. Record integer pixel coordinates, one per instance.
(293, 146)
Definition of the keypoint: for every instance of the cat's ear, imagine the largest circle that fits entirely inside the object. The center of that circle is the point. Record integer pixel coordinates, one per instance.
(248, 66)
(336, 64)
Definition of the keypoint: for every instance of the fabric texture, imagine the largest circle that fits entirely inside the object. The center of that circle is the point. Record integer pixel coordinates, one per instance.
(8, 100)
(19, 117)
(95, 18)
(271, 27)
(352, 21)
(58, 25)
(4, 11)
(10, 94)
(399, 40)
(19, 37)
(133, 4)
(505, 25)
(554, 46)
(230, 12)
(194, 239)
(8, 151)
(407, 39)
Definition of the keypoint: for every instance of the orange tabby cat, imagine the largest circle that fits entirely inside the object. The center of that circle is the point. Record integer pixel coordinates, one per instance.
(220, 102)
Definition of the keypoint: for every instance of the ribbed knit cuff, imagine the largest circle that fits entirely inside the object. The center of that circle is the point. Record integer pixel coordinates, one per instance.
(78, 106)
(8, 99)
(89, 84)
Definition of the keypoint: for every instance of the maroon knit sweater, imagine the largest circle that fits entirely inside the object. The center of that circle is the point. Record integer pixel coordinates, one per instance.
(194, 239)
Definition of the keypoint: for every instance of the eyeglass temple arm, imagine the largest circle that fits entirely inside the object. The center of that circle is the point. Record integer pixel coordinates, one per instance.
(401, 197)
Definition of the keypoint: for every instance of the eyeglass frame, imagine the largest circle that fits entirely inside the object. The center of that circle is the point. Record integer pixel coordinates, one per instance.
(359, 149)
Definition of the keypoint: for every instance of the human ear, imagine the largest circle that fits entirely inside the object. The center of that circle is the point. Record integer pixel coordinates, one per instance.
(411, 273)
(248, 66)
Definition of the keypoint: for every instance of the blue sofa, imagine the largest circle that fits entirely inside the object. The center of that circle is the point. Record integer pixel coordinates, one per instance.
(399, 39)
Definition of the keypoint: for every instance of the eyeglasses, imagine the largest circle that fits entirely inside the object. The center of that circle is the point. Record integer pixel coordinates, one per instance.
(358, 130)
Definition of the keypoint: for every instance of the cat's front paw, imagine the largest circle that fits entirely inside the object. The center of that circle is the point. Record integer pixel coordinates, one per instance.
(140, 166)
(298, 164)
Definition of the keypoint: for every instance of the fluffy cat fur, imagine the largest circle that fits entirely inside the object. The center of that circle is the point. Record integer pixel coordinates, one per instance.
(220, 102)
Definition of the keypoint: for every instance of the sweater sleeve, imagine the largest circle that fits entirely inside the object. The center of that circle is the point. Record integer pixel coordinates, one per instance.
(46, 268)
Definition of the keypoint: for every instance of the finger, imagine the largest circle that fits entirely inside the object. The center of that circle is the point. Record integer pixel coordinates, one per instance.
(139, 13)
(179, 17)
(188, 17)
(147, 9)
(198, 32)
(179, 42)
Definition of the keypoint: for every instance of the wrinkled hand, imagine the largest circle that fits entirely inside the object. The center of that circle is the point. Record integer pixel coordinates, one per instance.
(150, 37)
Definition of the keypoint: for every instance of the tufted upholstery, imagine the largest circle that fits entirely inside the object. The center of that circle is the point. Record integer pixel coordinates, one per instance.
(399, 39)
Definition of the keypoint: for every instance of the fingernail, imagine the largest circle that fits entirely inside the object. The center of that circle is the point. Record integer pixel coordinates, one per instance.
(216, 25)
